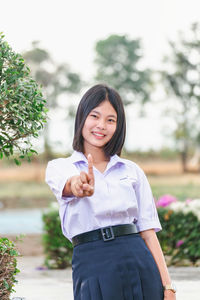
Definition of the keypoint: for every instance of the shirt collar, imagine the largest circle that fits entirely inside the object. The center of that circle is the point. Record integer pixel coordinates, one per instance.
(80, 157)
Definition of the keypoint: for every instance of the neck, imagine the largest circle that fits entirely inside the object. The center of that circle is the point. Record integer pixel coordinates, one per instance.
(98, 154)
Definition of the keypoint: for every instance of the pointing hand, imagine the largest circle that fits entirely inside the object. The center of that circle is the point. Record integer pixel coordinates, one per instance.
(83, 185)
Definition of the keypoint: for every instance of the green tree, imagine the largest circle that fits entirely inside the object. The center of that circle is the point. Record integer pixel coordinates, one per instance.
(57, 80)
(182, 80)
(118, 64)
(22, 106)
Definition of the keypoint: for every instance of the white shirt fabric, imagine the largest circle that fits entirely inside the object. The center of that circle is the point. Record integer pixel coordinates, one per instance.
(122, 195)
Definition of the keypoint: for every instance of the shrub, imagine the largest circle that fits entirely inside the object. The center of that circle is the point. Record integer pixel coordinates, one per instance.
(8, 267)
(22, 106)
(180, 235)
(57, 248)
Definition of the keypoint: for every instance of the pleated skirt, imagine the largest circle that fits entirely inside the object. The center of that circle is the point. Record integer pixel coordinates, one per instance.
(121, 269)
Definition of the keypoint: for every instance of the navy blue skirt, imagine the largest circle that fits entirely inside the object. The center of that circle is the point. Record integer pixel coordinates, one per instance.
(121, 269)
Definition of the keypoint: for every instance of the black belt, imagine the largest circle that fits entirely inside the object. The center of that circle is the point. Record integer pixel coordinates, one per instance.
(105, 233)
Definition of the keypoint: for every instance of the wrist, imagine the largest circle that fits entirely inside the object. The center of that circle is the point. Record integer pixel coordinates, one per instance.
(170, 287)
(69, 181)
(67, 191)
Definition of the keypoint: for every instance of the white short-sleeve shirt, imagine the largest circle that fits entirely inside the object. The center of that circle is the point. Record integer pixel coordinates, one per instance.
(122, 195)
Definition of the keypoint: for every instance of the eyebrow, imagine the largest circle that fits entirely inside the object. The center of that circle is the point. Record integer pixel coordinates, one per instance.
(113, 116)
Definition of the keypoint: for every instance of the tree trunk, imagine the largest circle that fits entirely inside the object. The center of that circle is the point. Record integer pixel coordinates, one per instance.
(184, 157)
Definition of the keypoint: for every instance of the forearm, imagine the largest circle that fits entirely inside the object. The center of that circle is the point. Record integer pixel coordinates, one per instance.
(153, 244)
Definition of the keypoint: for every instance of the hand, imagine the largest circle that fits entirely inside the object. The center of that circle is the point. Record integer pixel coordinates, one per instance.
(169, 295)
(83, 185)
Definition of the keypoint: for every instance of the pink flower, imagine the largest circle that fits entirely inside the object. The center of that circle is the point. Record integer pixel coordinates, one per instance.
(179, 243)
(188, 201)
(165, 200)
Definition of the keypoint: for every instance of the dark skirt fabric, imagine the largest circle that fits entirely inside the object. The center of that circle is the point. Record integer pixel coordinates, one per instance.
(121, 269)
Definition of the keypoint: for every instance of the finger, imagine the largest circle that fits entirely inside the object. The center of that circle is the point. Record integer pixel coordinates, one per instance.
(83, 177)
(89, 193)
(90, 170)
(78, 194)
(79, 182)
(77, 190)
(79, 187)
(88, 188)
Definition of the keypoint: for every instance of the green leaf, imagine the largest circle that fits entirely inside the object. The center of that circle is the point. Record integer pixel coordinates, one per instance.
(18, 163)
(6, 284)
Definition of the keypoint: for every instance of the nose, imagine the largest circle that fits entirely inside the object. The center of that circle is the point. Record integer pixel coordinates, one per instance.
(101, 124)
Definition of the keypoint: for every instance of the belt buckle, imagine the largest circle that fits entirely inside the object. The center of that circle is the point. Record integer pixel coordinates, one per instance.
(107, 233)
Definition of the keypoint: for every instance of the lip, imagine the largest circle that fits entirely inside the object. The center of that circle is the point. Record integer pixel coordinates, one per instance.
(98, 135)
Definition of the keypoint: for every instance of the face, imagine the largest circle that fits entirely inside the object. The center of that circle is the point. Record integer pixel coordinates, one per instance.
(100, 125)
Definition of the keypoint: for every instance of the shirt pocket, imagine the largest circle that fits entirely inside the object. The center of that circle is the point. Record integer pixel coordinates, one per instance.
(128, 180)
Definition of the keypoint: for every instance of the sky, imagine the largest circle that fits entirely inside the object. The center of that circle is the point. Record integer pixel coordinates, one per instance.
(69, 30)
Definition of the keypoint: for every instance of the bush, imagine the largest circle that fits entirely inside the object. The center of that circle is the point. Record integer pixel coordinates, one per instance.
(22, 106)
(8, 268)
(57, 248)
(180, 235)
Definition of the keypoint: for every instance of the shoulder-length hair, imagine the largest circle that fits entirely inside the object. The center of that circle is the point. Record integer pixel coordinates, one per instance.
(91, 99)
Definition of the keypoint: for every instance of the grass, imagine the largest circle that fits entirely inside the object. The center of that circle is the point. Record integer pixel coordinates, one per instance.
(183, 186)
(25, 194)
(24, 189)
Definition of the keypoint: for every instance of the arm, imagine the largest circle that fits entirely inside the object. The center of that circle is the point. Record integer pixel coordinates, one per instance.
(151, 240)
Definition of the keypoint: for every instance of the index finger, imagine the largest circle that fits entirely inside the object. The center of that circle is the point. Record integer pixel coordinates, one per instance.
(90, 169)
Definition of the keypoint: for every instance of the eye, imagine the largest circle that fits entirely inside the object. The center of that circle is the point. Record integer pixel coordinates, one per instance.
(93, 115)
(111, 121)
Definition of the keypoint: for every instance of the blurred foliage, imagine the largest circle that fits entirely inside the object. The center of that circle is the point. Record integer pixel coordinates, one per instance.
(57, 248)
(22, 106)
(181, 78)
(179, 237)
(118, 65)
(57, 81)
(8, 269)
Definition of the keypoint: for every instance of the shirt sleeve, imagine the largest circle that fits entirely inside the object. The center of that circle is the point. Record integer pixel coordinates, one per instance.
(147, 212)
(58, 171)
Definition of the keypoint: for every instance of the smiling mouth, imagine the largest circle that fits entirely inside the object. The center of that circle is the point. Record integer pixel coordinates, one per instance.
(98, 134)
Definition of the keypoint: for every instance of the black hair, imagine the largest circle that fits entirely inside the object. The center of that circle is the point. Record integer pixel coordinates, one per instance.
(91, 99)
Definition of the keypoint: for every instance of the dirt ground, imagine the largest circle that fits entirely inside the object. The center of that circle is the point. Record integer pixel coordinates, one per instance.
(25, 172)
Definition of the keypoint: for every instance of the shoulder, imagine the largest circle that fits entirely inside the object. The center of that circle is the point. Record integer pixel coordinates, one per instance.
(60, 161)
(132, 166)
(134, 171)
(61, 164)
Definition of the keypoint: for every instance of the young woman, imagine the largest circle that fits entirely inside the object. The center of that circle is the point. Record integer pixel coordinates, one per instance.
(107, 209)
